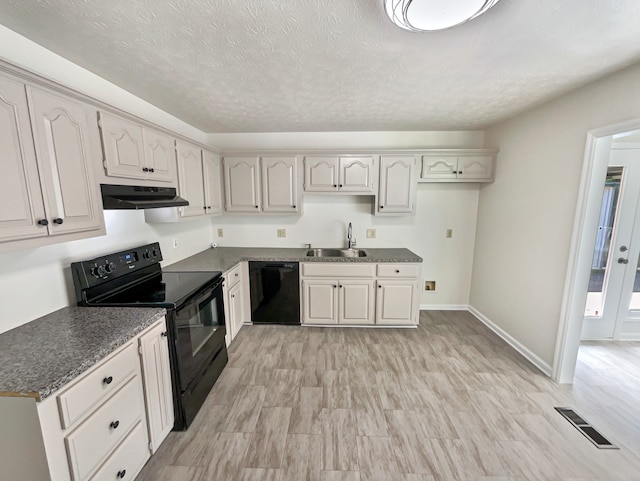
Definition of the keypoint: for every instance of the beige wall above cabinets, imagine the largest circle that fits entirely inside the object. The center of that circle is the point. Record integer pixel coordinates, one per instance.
(455, 165)
(261, 184)
(333, 174)
(133, 151)
(47, 190)
(199, 182)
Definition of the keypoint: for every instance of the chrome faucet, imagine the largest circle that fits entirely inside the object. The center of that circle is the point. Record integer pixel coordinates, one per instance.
(350, 238)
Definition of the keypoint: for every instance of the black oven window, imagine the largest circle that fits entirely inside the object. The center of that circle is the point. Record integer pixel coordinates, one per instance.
(197, 323)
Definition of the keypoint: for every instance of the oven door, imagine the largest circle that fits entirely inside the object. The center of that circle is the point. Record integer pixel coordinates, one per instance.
(200, 332)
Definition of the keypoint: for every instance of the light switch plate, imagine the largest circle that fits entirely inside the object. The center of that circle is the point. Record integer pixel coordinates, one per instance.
(282, 232)
(371, 233)
(220, 232)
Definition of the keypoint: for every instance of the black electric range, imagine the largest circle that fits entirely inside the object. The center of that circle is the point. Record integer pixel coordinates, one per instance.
(195, 315)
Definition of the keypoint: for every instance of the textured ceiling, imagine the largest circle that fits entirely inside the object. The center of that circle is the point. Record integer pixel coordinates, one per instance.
(333, 65)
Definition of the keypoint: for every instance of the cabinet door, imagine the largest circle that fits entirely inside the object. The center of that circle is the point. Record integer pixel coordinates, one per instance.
(212, 169)
(21, 202)
(356, 174)
(154, 352)
(64, 150)
(320, 301)
(190, 178)
(236, 310)
(241, 184)
(439, 167)
(321, 174)
(396, 302)
(355, 305)
(397, 185)
(280, 184)
(478, 168)
(123, 147)
(159, 154)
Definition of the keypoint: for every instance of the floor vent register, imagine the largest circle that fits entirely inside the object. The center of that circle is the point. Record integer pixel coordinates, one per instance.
(585, 428)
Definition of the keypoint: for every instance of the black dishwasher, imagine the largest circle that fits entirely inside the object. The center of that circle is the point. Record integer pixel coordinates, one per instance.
(275, 292)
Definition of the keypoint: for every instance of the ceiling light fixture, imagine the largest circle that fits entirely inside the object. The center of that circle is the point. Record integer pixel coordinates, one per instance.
(427, 15)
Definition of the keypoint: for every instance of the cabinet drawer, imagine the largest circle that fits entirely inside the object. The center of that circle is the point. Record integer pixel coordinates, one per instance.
(398, 270)
(233, 276)
(95, 438)
(335, 269)
(103, 380)
(128, 458)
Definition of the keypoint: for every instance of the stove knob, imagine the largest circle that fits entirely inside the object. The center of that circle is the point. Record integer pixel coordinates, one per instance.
(94, 271)
(146, 255)
(110, 267)
(101, 271)
(156, 253)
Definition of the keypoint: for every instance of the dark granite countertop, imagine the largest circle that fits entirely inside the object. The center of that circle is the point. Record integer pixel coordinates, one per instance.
(224, 258)
(38, 358)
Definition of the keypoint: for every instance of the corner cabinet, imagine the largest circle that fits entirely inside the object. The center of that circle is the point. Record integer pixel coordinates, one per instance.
(458, 166)
(134, 151)
(47, 189)
(347, 174)
(397, 185)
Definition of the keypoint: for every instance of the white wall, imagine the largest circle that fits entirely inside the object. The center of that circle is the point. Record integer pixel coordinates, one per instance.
(525, 218)
(37, 281)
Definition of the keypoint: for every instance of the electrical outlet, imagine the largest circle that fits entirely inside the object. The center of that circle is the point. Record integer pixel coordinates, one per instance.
(429, 285)
(449, 233)
(175, 243)
(282, 232)
(220, 232)
(371, 233)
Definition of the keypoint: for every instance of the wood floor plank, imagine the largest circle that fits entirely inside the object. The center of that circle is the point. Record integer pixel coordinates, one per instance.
(339, 445)
(245, 411)
(269, 439)
(307, 407)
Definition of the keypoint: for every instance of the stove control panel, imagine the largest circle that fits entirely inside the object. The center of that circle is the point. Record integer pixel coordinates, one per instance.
(93, 272)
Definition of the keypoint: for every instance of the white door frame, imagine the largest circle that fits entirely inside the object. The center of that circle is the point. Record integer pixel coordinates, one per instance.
(583, 241)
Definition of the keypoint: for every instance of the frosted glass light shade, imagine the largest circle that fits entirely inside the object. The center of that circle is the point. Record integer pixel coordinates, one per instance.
(426, 15)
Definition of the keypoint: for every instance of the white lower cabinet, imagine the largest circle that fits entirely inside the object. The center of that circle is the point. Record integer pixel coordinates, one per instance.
(236, 299)
(360, 294)
(95, 428)
(156, 371)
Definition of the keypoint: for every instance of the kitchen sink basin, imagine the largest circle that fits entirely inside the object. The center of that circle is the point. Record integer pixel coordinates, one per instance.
(336, 253)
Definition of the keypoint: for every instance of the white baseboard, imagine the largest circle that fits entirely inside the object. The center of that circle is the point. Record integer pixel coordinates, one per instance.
(513, 342)
(629, 336)
(444, 307)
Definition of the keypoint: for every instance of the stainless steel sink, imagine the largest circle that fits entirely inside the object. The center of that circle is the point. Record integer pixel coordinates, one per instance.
(336, 253)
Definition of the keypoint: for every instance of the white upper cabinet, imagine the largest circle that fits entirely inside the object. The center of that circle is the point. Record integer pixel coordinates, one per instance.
(159, 154)
(190, 178)
(21, 201)
(212, 171)
(357, 174)
(61, 131)
(352, 174)
(458, 166)
(397, 189)
(280, 191)
(136, 152)
(242, 186)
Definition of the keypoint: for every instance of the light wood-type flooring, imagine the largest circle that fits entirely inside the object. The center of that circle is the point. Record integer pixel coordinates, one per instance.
(449, 401)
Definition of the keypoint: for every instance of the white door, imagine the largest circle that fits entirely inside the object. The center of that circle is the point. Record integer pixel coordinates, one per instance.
(190, 178)
(160, 155)
(613, 300)
(439, 167)
(65, 153)
(476, 167)
(123, 147)
(320, 301)
(320, 174)
(21, 202)
(356, 302)
(236, 311)
(397, 184)
(395, 302)
(280, 184)
(241, 184)
(212, 182)
(356, 174)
